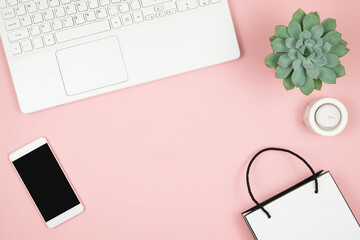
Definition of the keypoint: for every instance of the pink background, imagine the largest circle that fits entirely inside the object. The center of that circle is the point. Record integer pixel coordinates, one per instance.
(166, 160)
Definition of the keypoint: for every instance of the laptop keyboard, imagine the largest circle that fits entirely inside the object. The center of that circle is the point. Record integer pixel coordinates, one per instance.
(33, 25)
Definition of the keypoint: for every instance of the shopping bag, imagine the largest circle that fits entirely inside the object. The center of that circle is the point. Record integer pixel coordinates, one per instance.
(312, 209)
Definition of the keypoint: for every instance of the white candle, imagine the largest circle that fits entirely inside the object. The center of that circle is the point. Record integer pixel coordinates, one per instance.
(326, 116)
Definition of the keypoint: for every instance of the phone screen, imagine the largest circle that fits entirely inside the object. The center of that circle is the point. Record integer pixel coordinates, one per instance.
(46, 182)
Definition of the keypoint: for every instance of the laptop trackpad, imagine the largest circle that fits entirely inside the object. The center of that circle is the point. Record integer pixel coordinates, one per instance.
(91, 66)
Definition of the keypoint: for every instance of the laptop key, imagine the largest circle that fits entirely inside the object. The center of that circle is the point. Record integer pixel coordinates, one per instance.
(90, 16)
(2, 4)
(31, 7)
(116, 22)
(113, 10)
(45, 27)
(124, 7)
(49, 40)
(150, 17)
(34, 30)
(18, 35)
(54, 3)
(12, 24)
(8, 13)
(37, 18)
(101, 13)
(204, 3)
(15, 48)
(147, 3)
(171, 11)
(27, 46)
(49, 15)
(159, 8)
(185, 5)
(127, 20)
(160, 14)
(38, 43)
(26, 20)
(12, 3)
(138, 17)
(20, 10)
(93, 4)
(82, 31)
(43, 4)
(79, 19)
(135, 5)
(68, 22)
(57, 25)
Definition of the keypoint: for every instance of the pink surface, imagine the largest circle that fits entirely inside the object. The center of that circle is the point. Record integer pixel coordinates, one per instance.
(166, 160)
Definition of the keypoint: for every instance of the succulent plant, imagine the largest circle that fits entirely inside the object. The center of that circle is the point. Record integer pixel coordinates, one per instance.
(307, 52)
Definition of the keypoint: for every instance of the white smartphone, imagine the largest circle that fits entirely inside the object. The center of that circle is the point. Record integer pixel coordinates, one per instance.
(46, 182)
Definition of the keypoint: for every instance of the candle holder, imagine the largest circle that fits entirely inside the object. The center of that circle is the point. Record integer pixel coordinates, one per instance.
(326, 116)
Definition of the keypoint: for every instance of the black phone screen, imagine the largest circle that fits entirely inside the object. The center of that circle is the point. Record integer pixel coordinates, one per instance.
(46, 182)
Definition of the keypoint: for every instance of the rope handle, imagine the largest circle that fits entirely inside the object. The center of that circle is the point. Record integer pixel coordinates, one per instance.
(281, 150)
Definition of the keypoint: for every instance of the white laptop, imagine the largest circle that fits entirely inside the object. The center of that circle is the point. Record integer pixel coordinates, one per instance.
(60, 51)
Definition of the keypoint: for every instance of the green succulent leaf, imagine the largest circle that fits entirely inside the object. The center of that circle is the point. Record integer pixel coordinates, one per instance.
(305, 35)
(299, 16)
(272, 59)
(322, 61)
(332, 37)
(288, 84)
(308, 64)
(318, 84)
(299, 43)
(318, 53)
(319, 42)
(297, 64)
(281, 32)
(293, 53)
(298, 77)
(326, 47)
(327, 75)
(317, 31)
(272, 38)
(339, 70)
(329, 25)
(339, 50)
(343, 42)
(290, 43)
(311, 56)
(306, 51)
(318, 16)
(332, 60)
(282, 73)
(294, 29)
(308, 86)
(310, 20)
(278, 45)
(313, 72)
(309, 42)
(285, 61)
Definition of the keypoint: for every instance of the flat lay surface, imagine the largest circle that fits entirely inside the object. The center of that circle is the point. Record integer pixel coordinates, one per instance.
(166, 160)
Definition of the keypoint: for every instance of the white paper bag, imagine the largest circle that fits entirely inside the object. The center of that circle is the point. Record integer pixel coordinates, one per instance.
(299, 213)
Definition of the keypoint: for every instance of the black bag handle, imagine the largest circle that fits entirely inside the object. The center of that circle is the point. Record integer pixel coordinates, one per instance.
(281, 150)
